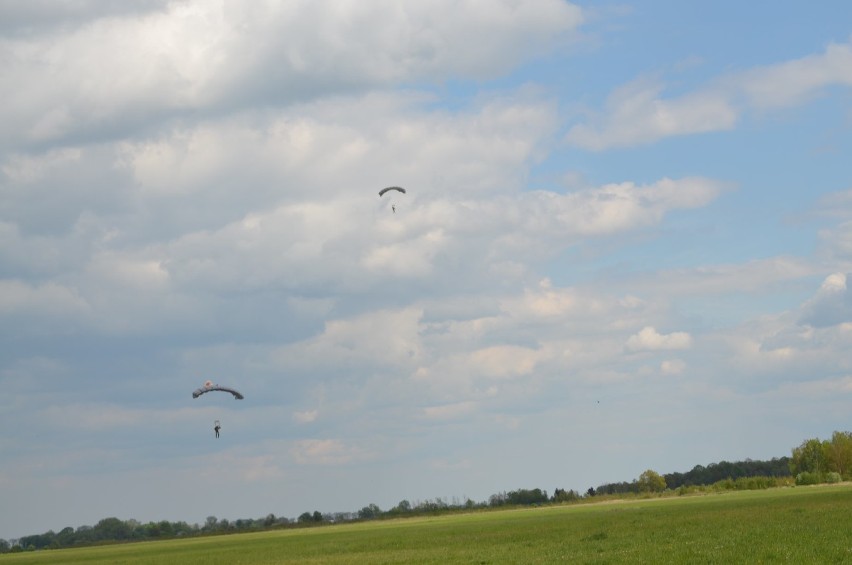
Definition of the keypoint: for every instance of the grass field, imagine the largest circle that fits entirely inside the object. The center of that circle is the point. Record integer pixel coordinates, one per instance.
(792, 525)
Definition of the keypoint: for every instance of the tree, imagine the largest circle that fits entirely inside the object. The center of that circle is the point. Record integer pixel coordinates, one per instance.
(562, 495)
(526, 496)
(65, 537)
(715, 472)
(403, 506)
(305, 517)
(651, 481)
(810, 457)
(112, 529)
(37, 541)
(839, 453)
(371, 511)
(84, 534)
(165, 528)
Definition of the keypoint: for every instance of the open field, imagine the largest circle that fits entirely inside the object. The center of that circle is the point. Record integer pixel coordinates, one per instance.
(791, 525)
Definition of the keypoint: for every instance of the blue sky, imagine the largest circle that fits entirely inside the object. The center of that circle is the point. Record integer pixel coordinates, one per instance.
(625, 245)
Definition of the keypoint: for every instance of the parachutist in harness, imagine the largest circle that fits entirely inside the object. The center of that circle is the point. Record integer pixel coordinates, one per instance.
(396, 188)
(209, 387)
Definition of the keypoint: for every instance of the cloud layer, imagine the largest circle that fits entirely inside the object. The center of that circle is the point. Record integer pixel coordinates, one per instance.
(190, 191)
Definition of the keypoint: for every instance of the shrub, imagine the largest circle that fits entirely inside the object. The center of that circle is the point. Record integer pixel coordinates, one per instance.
(833, 477)
(807, 478)
(724, 484)
(755, 483)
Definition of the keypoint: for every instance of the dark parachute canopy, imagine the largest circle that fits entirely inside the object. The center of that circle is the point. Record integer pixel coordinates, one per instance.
(397, 188)
(209, 387)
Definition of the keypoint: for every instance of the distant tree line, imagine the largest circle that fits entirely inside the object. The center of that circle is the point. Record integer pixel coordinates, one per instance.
(107, 530)
(715, 472)
(111, 530)
(699, 476)
(814, 461)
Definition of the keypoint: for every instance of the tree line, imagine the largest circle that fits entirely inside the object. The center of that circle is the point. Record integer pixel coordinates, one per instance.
(826, 461)
(700, 476)
(814, 461)
(111, 530)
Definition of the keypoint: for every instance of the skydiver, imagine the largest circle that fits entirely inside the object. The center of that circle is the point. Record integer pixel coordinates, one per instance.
(216, 428)
(393, 207)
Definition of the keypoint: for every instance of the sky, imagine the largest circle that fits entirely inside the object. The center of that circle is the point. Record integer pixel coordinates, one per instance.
(626, 244)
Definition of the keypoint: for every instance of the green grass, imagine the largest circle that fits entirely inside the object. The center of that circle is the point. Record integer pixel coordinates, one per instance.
(793, 525)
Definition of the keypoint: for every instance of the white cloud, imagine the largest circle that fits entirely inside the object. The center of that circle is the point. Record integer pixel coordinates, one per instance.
(324, 452)
(238, 465)
(26, 169)
(831, 388)
(545, 216)
(259, 468)
(793, 82)
(752, 354)
(48, 298)
(338, 151)
(672, 367)
(549, 302)
(449, 411)
(338, 232)
(381, 337)
(503, 361)
(125, 69)
(836, 240)
(637, 112)
(649, 339)
(831, 305)
(305, 416)
(411, 258)
(793, 346)
(307, 220)
(38, 17)
(98, 418)
(751, 276)
(137, 274)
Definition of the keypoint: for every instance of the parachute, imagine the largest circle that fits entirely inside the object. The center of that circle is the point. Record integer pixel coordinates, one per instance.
(397, 188)
(209, 386)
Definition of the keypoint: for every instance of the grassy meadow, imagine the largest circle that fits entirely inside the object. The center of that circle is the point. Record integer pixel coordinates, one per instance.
(787, 525)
